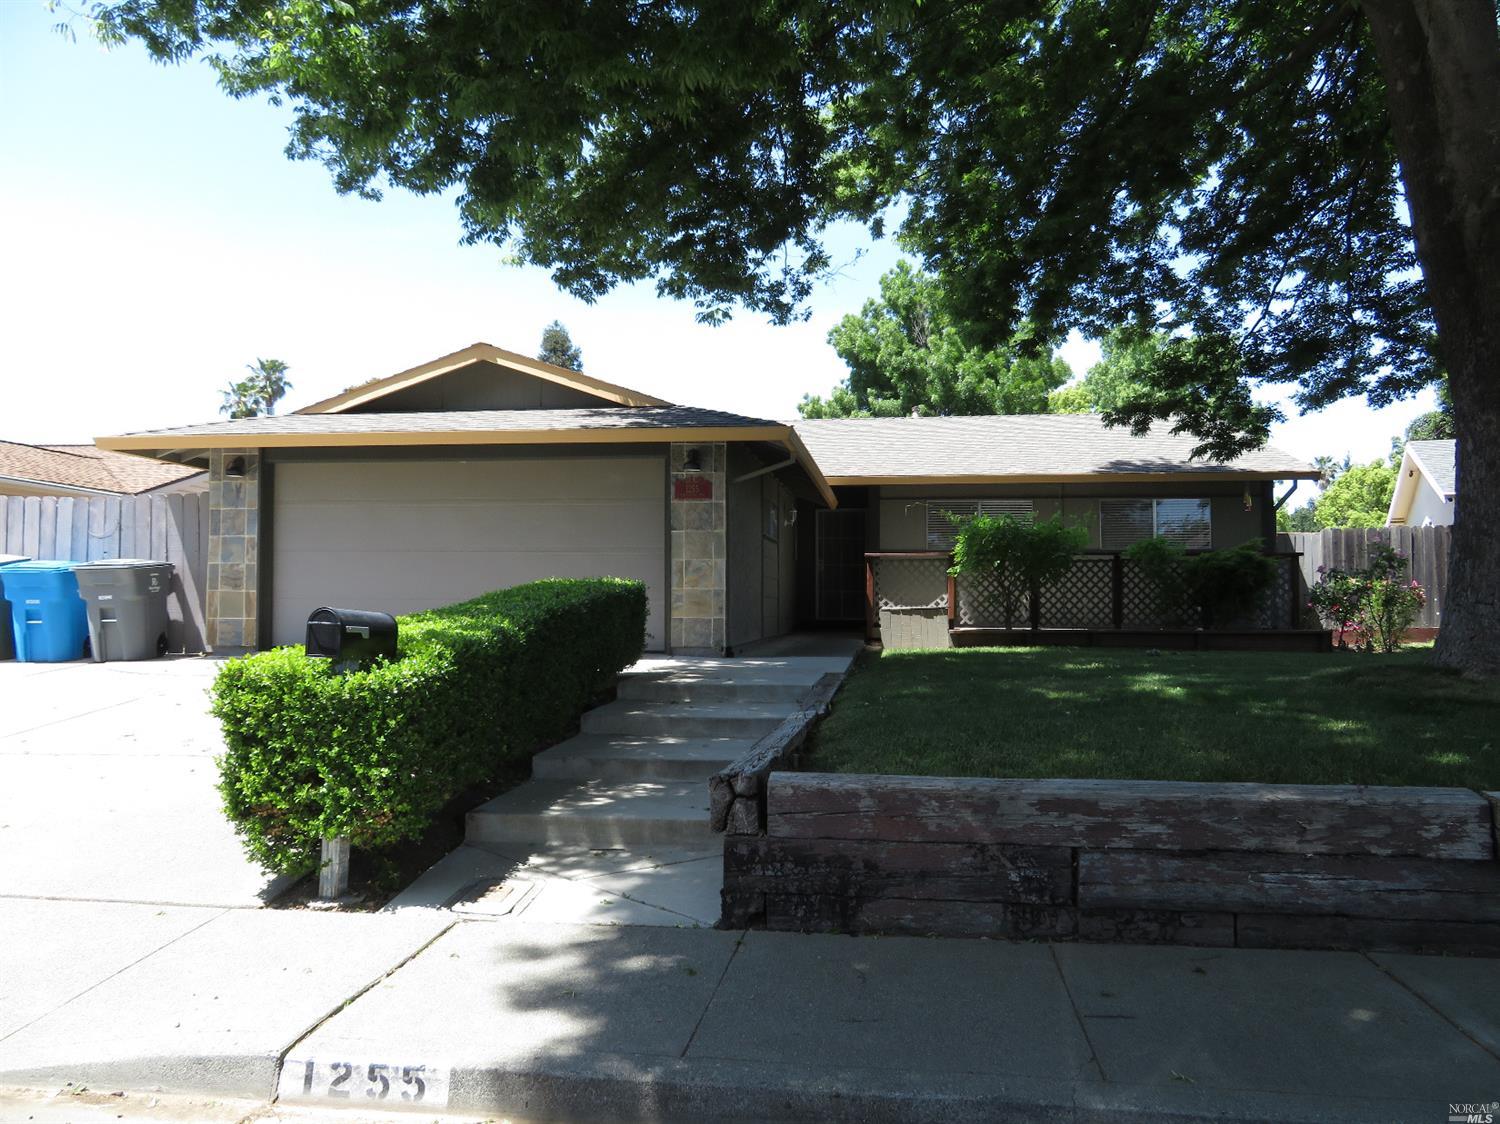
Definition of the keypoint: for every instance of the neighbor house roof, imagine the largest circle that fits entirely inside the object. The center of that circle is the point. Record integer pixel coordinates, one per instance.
(84, 469)
(602, 425)
(1438, 461)
(367, 392)
(1019, 448)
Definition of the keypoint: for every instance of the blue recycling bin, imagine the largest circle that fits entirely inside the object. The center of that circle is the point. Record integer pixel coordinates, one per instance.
(7, 644)
(49, 620)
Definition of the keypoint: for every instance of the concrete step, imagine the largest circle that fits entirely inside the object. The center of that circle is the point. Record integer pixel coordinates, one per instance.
(686, 720)
(596, 814)
(680, 685)
(615, 757)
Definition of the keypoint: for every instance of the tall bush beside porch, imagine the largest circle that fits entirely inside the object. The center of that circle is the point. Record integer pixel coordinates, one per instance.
(1023, 557)
(373, 754)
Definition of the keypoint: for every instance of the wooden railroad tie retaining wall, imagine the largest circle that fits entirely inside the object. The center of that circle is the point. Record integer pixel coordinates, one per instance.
(1262, 866)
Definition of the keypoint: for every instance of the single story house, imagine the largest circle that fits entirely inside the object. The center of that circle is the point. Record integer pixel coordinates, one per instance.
(85, 470)
(1426, 485)
(485, 468)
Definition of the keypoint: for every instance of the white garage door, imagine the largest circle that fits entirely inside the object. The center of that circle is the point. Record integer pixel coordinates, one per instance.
(406, 535)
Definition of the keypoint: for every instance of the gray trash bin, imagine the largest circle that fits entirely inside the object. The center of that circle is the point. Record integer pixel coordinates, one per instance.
(7, 631)
(127, 605)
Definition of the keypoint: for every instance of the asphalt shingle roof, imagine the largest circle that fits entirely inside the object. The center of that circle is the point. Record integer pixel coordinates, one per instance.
(457, 421)
(84, 466)
(1440, 462)
(1026, 445)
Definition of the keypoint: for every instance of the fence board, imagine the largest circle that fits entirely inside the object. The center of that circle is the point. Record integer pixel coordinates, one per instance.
(87, 529)
(1348, 548)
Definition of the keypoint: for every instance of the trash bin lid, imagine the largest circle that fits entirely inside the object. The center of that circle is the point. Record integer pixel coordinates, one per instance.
(30, 567)
(121, 564)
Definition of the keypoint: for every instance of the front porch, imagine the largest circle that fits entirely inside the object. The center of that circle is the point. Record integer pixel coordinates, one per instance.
(1105, 600)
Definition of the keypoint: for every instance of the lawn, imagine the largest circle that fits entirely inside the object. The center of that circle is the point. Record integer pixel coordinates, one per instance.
(1289, 718)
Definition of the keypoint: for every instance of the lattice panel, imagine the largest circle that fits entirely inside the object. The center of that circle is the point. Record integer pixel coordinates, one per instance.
(1275, 609)
(1083, 599)
(980, 605)
(1142, 604)
(911, 583)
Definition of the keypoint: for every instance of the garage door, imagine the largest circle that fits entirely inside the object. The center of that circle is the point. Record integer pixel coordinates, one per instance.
(406, 535)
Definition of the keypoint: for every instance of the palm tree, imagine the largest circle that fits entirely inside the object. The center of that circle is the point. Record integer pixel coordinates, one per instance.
(257, 393)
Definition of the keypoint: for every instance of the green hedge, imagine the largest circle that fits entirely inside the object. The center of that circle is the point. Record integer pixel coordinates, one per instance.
(373, 754)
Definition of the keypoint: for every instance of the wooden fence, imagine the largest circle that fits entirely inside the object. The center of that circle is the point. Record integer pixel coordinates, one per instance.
(171, 528)
(1345, 548)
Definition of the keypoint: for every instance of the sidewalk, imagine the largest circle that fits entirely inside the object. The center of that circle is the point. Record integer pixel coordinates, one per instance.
(559, 1021)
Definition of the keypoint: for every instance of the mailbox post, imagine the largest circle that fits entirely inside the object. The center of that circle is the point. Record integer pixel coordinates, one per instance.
(350, 638)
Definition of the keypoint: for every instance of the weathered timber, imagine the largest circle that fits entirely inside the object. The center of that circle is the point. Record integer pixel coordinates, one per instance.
(1444, 823)
(1343, 885)
(741, 909)
(1156, 926)
(1371, 934)
(744, 817)
(825, 914)
(979, 872)
(746, 776)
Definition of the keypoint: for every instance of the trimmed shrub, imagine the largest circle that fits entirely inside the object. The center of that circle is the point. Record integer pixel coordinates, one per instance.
(1211, 589)
(1024, 556)
(374, 753)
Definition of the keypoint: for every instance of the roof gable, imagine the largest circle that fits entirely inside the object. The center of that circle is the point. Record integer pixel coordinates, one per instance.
(573, 388)
(1438, 461)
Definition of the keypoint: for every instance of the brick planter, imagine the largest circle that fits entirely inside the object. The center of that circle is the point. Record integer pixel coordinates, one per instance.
(1248, 865)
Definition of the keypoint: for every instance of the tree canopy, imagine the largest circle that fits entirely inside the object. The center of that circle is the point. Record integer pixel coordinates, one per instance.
(1435, 425)
(1120, 376)
(1360, 497)
(906, 355)
(1224, 173)
(559, 349)
(258, 392)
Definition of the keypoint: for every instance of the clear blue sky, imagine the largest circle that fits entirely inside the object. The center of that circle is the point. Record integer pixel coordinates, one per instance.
(155, 239)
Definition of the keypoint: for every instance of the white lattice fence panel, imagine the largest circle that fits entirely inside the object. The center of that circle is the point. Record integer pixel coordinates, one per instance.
(911, 583)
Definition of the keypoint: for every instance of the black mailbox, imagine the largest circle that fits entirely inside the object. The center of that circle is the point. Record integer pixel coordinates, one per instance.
(351, 636)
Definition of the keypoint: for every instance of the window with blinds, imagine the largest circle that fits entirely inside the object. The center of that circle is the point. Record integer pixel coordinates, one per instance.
(940, 529)
(1125, 522)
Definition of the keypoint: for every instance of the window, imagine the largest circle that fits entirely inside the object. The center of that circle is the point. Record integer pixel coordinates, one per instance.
(1124, 522)
(940, 529)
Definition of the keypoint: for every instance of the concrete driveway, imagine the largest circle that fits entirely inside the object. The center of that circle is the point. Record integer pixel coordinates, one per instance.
(107, 787)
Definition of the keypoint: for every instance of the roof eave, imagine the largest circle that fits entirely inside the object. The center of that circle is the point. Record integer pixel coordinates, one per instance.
(156, 444)
(1248, 476)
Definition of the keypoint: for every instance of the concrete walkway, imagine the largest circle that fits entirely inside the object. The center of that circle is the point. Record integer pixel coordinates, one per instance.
(613, 826)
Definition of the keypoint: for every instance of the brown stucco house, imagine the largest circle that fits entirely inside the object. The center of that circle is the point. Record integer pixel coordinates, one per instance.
(486, 468)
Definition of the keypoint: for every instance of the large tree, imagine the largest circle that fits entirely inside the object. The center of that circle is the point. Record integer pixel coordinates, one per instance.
(1299, 192)
(1119, 376)
(559, 349)
(906, 355)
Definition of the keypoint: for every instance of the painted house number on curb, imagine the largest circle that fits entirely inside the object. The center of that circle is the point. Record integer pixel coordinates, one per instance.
(313, 1079)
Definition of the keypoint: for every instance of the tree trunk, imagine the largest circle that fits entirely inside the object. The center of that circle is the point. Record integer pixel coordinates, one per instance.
(1441, 64)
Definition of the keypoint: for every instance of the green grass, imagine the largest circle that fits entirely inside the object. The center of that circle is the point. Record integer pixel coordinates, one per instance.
(1286, 718)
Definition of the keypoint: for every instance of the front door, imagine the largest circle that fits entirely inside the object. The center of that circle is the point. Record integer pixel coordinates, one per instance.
(839, 566)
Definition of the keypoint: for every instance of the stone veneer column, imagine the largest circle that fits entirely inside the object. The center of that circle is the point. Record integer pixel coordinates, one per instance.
(698, 553)
(233, 550)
